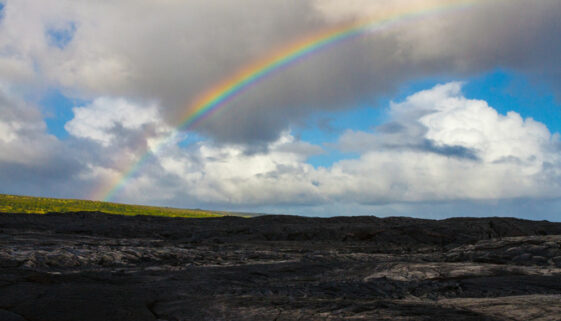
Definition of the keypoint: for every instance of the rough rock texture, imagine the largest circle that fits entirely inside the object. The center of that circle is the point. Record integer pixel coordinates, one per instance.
(92, 266)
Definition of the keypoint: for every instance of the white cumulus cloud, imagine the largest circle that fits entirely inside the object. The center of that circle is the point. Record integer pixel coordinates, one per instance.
(102, 119)
(437, 146)
(440, 146)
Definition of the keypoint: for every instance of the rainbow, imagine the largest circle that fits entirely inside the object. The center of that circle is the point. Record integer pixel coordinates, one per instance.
(218, 96)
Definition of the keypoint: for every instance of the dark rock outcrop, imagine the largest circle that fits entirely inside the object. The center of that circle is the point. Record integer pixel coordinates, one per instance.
(93, 266)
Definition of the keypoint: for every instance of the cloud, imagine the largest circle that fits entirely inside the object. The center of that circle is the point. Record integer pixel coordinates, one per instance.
(437, 147)
(32, 161)
(228, 174)
(106, 120)
(22, 130)
(172, 51)
(448, 147)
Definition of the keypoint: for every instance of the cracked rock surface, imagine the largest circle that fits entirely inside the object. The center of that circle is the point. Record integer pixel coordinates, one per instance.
(93, 266)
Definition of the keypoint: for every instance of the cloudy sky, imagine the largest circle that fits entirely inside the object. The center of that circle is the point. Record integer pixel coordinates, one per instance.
(454, 113)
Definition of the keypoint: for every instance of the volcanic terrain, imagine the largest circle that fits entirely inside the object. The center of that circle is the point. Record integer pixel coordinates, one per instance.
(94, 266)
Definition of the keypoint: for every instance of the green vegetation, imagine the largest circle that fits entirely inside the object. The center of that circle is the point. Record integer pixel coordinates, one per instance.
(42, 205)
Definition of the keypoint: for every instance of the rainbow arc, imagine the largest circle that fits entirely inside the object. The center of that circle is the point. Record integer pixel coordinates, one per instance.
(218, 96)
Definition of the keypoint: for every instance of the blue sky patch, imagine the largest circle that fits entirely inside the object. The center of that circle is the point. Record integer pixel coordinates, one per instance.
(503, 90)
(190, 138)
(325, 128)
(61, 37)
(331, 157)
(58, 111)
(508, 91)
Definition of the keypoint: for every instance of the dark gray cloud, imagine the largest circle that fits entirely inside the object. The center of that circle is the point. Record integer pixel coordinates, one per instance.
(32, 162)
(449, 150)
(510, 35)
(170, 52)
(57, 177)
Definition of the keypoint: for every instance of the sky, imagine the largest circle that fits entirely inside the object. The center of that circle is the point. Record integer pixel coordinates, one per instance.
(455, 112)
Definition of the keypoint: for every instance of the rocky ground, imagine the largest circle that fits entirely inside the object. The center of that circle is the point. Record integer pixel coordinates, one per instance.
(91, 266)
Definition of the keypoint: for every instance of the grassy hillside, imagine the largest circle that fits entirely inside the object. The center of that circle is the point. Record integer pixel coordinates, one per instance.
(41, 205)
